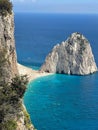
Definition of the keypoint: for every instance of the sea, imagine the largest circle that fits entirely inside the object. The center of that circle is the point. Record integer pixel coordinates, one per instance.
(58, 101)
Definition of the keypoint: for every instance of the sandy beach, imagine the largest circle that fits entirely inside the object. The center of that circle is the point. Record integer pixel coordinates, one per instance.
(32, 74)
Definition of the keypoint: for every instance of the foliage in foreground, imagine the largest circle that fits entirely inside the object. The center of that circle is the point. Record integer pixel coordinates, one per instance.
(5, 7)
(10, 96)
(9, 125)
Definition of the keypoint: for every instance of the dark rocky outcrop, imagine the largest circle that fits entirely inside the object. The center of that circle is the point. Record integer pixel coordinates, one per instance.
(73, 56)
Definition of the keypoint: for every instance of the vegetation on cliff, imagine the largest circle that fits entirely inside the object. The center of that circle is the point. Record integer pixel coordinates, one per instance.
(10, 97)
(12, 86)
(5, 7)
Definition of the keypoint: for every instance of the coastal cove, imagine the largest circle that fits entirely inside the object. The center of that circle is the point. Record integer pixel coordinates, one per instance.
(59, 101)
(56, 101)
(63, 102)
(48, 65)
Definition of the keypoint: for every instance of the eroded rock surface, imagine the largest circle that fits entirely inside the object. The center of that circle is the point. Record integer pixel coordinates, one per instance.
(7, 46)
(73, 56)
(8, 69)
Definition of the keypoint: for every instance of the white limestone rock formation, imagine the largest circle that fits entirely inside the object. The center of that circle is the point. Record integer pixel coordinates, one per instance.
(7, 45)
(8, 70)
(73, 56)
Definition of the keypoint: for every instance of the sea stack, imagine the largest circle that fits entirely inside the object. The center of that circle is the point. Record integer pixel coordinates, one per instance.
(73, 56)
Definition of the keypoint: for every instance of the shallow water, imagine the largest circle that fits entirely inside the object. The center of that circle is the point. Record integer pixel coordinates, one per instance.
(57, 102)
(63, 102)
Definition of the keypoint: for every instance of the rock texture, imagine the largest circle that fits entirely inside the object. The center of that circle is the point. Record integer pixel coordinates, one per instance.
(74, 56)
(7, 45)
(8, 70)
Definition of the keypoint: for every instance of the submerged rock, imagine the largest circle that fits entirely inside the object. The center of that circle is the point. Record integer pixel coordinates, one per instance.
(73, 56)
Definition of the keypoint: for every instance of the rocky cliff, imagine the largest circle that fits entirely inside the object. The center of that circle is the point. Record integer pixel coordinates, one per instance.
(12, 113)
(7, 45)
(73, 56)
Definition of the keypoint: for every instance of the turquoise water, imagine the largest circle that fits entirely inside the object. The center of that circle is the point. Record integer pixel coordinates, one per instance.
(63, 102)
(57, 102)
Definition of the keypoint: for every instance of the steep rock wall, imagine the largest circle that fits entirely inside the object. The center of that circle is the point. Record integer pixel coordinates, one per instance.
(8, 70)
(7, 45)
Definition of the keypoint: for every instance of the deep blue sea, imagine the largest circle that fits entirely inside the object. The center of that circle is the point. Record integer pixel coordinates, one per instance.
(57, 102)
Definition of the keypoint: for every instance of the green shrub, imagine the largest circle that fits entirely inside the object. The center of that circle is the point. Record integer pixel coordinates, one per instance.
(11, 94)
(19, 85)
(27, 119)
(9, 125)
(5, 7)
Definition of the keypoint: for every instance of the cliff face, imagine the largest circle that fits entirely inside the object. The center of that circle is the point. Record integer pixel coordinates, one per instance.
(7, 45)
(12, 112)
(74, 56)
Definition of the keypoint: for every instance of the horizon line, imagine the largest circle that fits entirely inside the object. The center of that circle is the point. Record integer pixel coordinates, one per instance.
(29, 12)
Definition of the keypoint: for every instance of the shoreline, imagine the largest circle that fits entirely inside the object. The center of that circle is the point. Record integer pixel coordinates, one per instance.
(32, 74)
